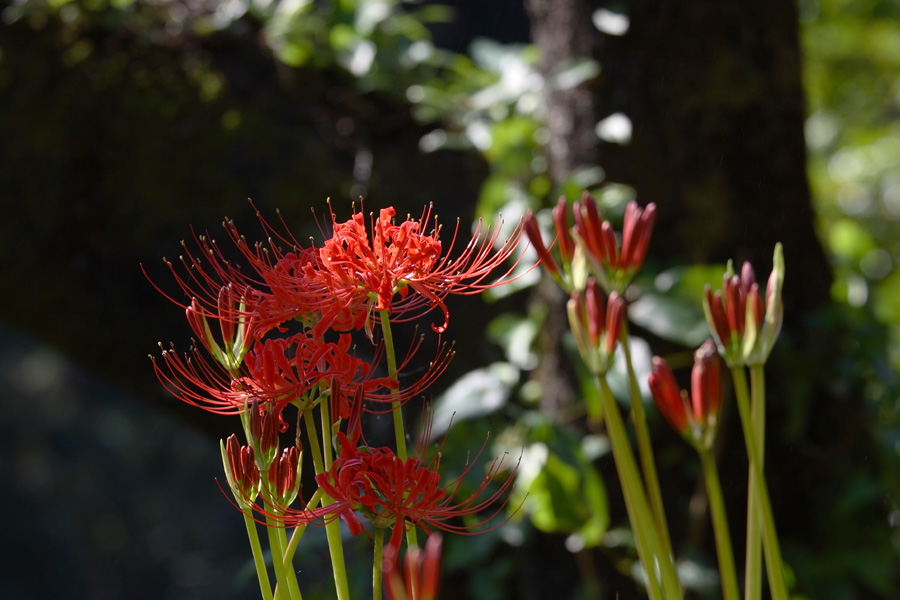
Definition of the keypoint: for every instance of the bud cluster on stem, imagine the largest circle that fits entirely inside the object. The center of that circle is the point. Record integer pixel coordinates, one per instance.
(590, 256)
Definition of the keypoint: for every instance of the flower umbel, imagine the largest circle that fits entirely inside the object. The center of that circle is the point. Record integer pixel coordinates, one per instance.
(590, 244)
(744, 328)
(694, 417)
(595, 323)
(392, 492)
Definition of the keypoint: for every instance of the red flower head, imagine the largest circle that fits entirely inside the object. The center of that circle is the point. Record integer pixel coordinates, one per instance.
(595, 324)
(695, 418)
(591, 242)
(296, 370)
(381, 264)
(614, 267)
(392, 492)
(745, 331)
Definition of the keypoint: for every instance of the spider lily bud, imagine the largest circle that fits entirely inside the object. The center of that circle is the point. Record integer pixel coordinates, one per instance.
(613, 267)
(234, 325)
(762, 329)
(744, 331)
(595, 325)
(284, 477)
(261, 428)
(561, 221)
(695, 417)
(533, 231)
(240, 471)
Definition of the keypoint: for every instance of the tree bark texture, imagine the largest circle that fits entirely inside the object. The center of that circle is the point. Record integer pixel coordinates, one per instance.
(714, 93)
(563, 31)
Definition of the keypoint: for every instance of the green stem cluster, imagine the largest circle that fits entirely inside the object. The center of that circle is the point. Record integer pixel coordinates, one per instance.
(753, 582)
(399, 431)
(760, 492)
(720, 526)
(645, 448)
(658, 562)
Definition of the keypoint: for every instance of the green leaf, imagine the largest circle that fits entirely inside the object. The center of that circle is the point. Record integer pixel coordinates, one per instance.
(475, 394)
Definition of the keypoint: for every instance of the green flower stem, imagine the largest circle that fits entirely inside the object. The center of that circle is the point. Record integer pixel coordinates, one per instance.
(333, 526)
(720, 526)
(647, 535)
(327, 444)
(283, 589)
(300, 530)
(771, 548)
(753, 569)
(399, 432)
(645, 448)
(258, 560)
(376, 564)
(289, 571)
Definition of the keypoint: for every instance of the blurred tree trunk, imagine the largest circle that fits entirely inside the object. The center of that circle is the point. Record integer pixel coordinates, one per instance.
(562, 30)
(714, 93)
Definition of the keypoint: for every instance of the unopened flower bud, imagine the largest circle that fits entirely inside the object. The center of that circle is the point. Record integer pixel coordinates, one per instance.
(534, 235)
(595, 324)
(695, 418)
(284, 477)
(240, 471)
(744, 331)
(564, 237)
(261, 427)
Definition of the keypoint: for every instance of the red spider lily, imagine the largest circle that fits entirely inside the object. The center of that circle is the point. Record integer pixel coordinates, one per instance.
(744, 329)
(388, 491)
(386, 260)
(421, 573)
(357, 270)
(614, 267)
(298, 369)
(695, 418)
(595, 324)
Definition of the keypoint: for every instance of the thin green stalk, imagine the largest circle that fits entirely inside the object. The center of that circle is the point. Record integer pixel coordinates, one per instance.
(753, 577)
(771, 548)
(326, 434)
(288, 566)
(399, 432)
(282, 590)
(258, 560)
(300, 530)
(376, 564)
(332, 526)
(654, 554)
(720, 526)
(645, 448)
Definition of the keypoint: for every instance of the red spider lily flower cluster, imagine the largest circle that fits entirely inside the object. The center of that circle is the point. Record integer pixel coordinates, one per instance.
(694, 417)
(421, 571)
(595, 324)
(389, 491)
(745, 329)
(590, 244)
(283, 334)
